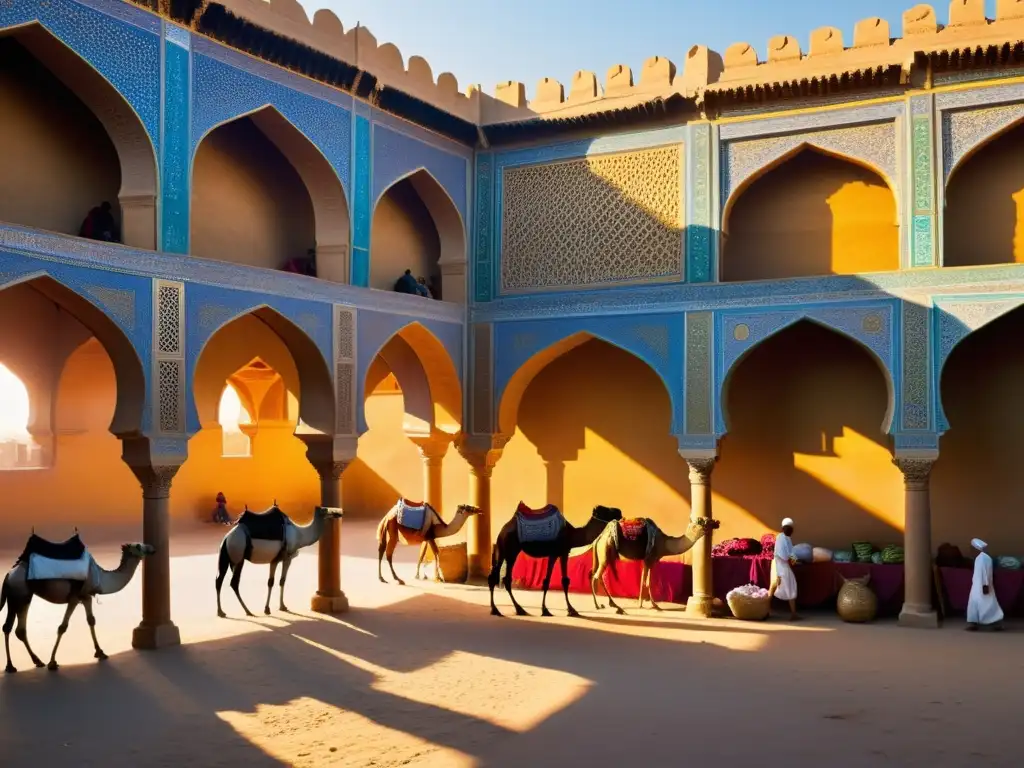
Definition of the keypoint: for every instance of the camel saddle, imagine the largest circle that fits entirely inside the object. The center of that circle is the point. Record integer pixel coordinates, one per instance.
(539, 525)
(414, 516)
(268, 526)
(635, 529)
(56, 560)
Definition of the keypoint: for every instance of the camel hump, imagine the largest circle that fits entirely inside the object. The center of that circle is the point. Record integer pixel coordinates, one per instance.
(265, 525)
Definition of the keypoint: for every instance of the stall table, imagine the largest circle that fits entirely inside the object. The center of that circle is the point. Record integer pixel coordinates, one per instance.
(956, 586)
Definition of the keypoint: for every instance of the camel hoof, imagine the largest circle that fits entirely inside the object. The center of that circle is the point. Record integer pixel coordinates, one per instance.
(222, 615)
(655, 607)
(402, 583)
(53, 666)
(495, 612)
(573, 613)
(100, 656)
(546, 613)
(521, 612)
(250, 614)
(283, 609)
(382, 581)
(266, 611)
(11, 669)
(619, 612)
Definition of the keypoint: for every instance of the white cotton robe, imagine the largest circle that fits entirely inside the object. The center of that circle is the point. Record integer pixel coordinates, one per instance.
(982, 608)
(782, 569)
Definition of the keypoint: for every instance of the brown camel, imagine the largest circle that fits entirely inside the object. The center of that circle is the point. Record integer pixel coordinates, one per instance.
(640, 539)
(546, 534)
(89, 581)
(417, 523)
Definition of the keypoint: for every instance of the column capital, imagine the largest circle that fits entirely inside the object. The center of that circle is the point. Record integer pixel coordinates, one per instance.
(481, 451)
(916, 470)
(700, 468)
(153, 464)
(329, 455)
(434, 446)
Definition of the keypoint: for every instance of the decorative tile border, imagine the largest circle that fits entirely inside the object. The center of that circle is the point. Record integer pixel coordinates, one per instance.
(980, 96)
(175, 159)
(965, 130)
(699, 379)
(483, 217)
(808, 122)
(362, 205)
(916, 385)
(701, 234)
(922, 176)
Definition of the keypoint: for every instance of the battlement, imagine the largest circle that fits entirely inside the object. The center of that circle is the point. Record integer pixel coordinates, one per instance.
(704, 71)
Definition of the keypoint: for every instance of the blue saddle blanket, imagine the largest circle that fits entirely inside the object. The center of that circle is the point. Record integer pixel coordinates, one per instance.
(539, 525)
(412, 515)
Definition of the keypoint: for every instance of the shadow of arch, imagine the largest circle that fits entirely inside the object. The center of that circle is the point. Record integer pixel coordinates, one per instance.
(983, 213)
(791, 219)
(511, 395)
(451, 229)
(128, 368)
(723, 393)
(305, 372)
(326, 192)
(139, 176)
(426, 374)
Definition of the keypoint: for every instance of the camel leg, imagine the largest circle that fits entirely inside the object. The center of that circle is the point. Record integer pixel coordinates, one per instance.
(236, 578)
(21, 632)
(53, 666)
(643, 582)
(8, 624)
(598, 578)
(438, 576)
(596, 569)
(223, 563)
(510, 562)
(390, 553)
(494, 576)
(382, 546)
(564, 559)
(650, 594)
(284, 577)
(270, 586)
(547, 583)
(419, 562)
(90, 619)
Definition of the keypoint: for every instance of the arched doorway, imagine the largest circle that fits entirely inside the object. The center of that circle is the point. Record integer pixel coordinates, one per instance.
(252, 387)
(806, 411)
(72, 142)
(263, 195)
(976, 484)
(84, 387)
(413, 410)
(984, 216)
(810, 213)
(416, 226)
(590, 424)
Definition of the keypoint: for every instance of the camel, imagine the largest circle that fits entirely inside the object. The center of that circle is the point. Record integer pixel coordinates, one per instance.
(18, 590)
(543, 533)
(417, 523)
(268, 537)
(640, 539)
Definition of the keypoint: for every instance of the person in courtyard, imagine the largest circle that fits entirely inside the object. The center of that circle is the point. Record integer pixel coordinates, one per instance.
(983, 608)
(783, 579)
(99, 224)
(407, 283)
(220, 512)
(422, 288)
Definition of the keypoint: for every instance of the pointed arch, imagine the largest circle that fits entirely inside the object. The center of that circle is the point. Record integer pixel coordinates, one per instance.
(450, 227)
(810, 212)
(128, 367)
(512, 393)
(122, 124)
(426, 374)
(326, 192)
(983, 213)
(887, 420)
(298, 360)
(981, 142)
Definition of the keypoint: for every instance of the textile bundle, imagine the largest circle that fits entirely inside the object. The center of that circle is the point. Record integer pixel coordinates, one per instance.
(736, 548)
(767, 546)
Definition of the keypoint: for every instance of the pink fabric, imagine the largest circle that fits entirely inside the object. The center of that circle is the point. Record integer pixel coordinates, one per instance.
(956, 584)
(622, 577)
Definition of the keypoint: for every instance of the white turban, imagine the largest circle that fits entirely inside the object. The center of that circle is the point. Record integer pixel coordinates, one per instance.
(787, 522)
(978, 544)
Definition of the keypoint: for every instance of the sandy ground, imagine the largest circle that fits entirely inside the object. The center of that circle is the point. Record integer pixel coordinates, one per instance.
(422, 675)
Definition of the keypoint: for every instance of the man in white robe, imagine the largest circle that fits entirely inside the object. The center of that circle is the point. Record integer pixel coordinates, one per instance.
(783, 579)
(983, 607)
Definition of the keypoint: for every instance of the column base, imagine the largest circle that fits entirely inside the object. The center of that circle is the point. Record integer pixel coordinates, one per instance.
(919, 617)
(699, 606)
(329, 603)
(479, 566)
(148, 637)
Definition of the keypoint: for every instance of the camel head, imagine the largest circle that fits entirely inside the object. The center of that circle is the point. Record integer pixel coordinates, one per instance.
(137, 550)
(607, 514)
(328, 513)
(468, 510)
(700, 527)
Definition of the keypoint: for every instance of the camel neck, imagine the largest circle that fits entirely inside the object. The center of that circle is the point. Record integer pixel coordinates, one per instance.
(585, 536)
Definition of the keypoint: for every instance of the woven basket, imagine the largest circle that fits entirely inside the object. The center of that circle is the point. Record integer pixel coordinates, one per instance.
(749, 608)
(856, 602)
(454, 563)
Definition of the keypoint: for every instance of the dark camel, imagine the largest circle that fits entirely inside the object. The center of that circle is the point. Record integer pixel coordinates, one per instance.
(508, 547)
(650, 545)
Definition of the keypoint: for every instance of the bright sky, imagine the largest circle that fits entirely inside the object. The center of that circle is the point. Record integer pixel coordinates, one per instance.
(487, 42)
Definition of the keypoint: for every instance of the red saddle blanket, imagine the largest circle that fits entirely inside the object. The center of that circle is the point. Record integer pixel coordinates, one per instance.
(631, 529)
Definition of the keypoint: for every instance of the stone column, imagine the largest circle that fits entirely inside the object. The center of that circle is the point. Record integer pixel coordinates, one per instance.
(329, 597)
(699, 603)
(433, 449)
(917, 543)
(156, 629)
(138, 221)
(482, 453)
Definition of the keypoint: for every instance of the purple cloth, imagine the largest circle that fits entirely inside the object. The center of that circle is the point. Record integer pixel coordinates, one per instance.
(956, 586)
